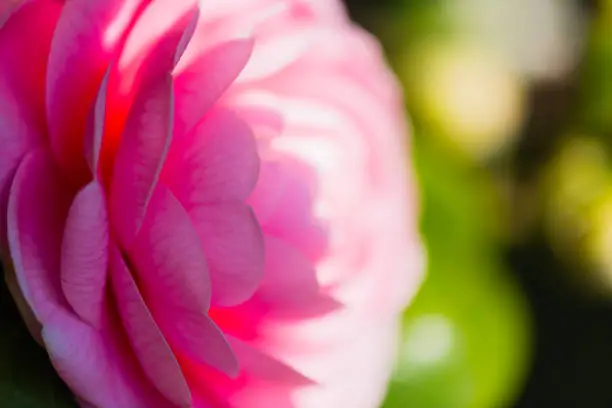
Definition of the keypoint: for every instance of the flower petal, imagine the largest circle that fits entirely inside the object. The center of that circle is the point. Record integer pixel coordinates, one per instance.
(94, 132)
(172, 272)
(201, 83)
(196, 337)
(290, 286)
(156, 43)
(168, 257)
(165, 24)
(256, 363)
(85, 254)
(37, 211)
(217, 161)
(85, 40)
(22, 83)
(98, 365)
(234, 249)
(140, 158)
(148, 343)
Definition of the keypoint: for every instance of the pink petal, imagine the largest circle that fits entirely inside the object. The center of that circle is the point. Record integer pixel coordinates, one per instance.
(265, 122)
(234, 249)
(85, 254)
(37, 211)
(290, 286)
(200, 84)
(95, 126)
(162, 23)
(143, 61)
(143, 66)
(197, 338)
(98, 366)
(217, 161)
(172, 272)
(257, 364)
(262, 378)
(22, 74)
(283, 201)
(140, 158)
(167, 254)
(87, 35)
(149, 344)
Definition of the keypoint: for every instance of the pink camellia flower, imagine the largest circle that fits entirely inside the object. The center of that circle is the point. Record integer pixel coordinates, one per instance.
(205, 203)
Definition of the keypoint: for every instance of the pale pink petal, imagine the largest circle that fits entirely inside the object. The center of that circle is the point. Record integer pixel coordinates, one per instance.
(143, 61)
(199, 85)
(283, 201)
(162, 22)
(216, 162)
(22, 74)
(266, 122)
(234, 249)
(37, 211)
(290, 286)
(167, 254)
(85, 254)
(81, 51)
(149, 344)
(98, 365)
(140, 158)
(257, 364)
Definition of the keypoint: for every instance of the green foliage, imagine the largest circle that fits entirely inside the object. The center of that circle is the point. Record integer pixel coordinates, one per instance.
(27, 379)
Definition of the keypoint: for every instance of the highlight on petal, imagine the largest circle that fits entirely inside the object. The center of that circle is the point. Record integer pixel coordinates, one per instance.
(85, 254)
(143, 61)
(217, 161)
(234, 249)
(141, 157)
(37, 211)
(200, 84)
(149, 345)
(168, 24)
(98, 365)
(79, 56)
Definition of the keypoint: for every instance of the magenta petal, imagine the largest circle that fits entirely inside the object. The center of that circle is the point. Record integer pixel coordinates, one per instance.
(85, 254)
(217, 161)
(98, 366)
(149, 344)
(172, 272)
(198, 338)
(23, 54)
(95, 126)
(234, 249)
(199, 85)
(87, 35)
(167, 254)
(140, 158)
(37, 211)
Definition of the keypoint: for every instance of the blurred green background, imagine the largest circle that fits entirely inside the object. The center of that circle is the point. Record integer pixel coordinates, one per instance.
(511, 103)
